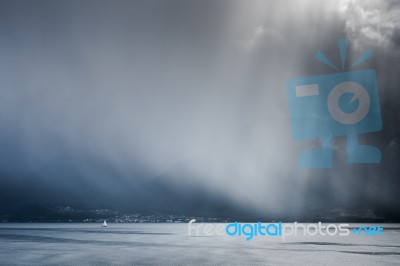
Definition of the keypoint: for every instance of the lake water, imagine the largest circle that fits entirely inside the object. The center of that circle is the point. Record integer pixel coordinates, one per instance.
(169, 244)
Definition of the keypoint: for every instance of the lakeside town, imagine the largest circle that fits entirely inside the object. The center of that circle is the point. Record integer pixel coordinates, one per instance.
(69, 214)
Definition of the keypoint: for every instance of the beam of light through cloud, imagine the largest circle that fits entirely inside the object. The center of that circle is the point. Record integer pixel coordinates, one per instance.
(185, 89)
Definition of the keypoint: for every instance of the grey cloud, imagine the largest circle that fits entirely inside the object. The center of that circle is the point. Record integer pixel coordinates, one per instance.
(373, 22)
(111, 94)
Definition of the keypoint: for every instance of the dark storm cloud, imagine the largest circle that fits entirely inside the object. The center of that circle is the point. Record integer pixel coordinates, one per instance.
(107, 95)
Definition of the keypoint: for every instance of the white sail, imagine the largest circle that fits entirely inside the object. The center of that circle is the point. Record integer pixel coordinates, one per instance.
(104, 223)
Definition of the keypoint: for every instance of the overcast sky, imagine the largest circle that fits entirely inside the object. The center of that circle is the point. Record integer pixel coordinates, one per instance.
(104, 94)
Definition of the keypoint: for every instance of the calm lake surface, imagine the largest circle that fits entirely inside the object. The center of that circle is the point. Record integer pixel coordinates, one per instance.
(169, 244)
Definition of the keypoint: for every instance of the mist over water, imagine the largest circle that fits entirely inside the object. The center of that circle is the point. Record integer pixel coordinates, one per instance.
(169, 244)
(101, 102)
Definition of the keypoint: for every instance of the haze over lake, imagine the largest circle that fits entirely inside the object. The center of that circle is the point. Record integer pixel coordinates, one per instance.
(169, 244)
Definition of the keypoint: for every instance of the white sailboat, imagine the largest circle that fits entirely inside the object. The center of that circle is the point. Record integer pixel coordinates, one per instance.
(104, 224)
